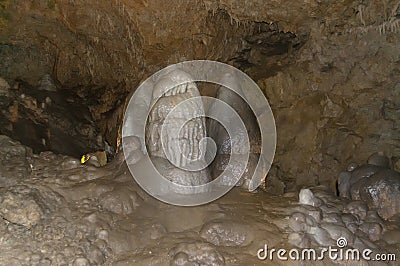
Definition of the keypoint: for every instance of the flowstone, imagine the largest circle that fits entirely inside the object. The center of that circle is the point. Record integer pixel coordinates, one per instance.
(167, 116)
(175, 129)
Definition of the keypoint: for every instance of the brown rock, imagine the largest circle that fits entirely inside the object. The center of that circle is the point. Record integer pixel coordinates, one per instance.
(381, 191)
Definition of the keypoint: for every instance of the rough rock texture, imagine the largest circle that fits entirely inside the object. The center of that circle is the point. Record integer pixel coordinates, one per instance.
(196, 254)
(63, 213)
(227, 233)
(47, 119)
(14, 165)
(101, 57)
(381, 191)
(338, 222)
(167, 138)
(328, 68)
(340, 101)
(373, 184)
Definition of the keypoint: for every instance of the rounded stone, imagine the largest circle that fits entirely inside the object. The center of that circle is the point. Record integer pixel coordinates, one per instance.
(81, 261)
(379, 159)
(358, 208)
(373, 230)
(351, 167)
(307, 197)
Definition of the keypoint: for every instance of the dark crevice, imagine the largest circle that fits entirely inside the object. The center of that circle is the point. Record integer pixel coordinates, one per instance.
(48, 120)
(264, 46)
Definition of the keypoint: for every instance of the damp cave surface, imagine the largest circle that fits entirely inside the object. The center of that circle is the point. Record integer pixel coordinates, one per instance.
(329, 70)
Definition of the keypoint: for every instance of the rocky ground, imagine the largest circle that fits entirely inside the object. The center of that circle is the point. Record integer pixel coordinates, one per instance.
(56, 211)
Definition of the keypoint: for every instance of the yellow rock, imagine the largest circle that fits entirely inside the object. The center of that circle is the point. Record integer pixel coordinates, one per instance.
(98, 158)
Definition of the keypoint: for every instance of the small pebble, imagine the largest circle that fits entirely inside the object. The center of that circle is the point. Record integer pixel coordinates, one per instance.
(358, 208)
(351, 167)
(81, 262)
(307, 197)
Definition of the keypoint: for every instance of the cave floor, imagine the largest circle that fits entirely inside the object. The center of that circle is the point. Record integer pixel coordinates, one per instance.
(58, 212)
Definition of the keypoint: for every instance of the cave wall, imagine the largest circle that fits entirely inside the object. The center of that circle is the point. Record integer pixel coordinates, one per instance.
(329, 68)
(340, 99)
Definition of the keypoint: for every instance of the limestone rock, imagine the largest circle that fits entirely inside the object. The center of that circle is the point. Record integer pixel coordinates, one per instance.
(320, 236)
(299, 240)
(300, 222)
(379, 159)
(357, 208)
(307, 197)
(180, 176)
(344, 184)
(121, 201)
(4, 87)
(363, 171)
(196, 253)
(381, 191)
(227, 233)
(47, 84)
(18, 205)
(373, 230)
(13, 159)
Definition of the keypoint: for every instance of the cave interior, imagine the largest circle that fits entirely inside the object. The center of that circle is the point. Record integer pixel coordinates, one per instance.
(328, 69)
